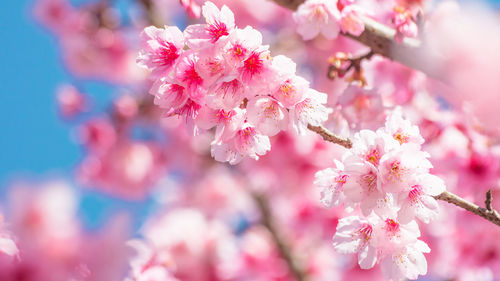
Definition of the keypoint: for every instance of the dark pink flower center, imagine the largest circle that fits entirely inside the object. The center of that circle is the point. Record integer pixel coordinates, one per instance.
(231, 86)
(167, 55)
(190, 109)
(217, 30)
(224, 116)
(254, 64)
(373, 156)
(366, 232)
(415, 193)
(191, 77)
(238, 51)
(341, 179)
(391, 226)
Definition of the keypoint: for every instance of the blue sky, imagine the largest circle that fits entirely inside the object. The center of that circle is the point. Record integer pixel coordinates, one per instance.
(33, 140)
(36, 144)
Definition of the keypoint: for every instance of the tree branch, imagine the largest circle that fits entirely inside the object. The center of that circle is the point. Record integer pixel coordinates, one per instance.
(380, 38)
(489, 213)
(329, 136)
(283, 247)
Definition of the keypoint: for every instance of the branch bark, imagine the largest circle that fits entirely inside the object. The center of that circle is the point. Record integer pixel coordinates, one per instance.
(329, 136)
(283, 247)
(380, 38)
(487, 213)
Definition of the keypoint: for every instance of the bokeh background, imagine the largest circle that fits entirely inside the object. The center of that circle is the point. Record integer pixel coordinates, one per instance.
(36, 144)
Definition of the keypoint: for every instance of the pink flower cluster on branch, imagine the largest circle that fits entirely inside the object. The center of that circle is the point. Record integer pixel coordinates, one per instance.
(218, 75)
(328, 18)
(387, 175)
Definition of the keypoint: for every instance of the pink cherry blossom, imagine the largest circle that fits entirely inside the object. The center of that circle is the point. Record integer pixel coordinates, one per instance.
(350, 21)
(219, 23)
(311, 110)
(401, 129)
(405, 26)
(397, 167)
(162, 47)
(193, 9)
(268, 114)
(317, 16)
(331, 182)
(419, 201)
(246, 142)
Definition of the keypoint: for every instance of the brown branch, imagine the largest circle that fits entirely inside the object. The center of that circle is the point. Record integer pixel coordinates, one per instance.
(283, 247)
(380, 38)
(488, 201)
(329, 136)
(488, 213)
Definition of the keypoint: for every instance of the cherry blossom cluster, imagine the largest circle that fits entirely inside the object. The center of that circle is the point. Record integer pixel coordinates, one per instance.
(328, 18)
(218, 75)
(387, 175)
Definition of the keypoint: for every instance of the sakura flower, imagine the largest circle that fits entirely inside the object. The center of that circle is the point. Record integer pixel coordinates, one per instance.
(211, 67)
(246, 142)
(226, 94)
(227, 122)
(406, 263)
(317, 16)
(401, 129)
(188, 77)
(219, 23)
(403, 21)
(331, 182)
(354, 235)
(193, 9)
(162, 47)
(268, 115)
(370, 146)
(401, 251)
(361, 187)
(399, 166)
(350, 21)
(309, 111)
(167, 95)
(255, 67)
(395, 246)
(419, 201)
(290, 88)
(241, 43)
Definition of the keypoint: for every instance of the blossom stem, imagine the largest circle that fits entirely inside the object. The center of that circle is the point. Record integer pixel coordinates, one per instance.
(283, 247)
(487, 213)
(329, 136)
(380, 38)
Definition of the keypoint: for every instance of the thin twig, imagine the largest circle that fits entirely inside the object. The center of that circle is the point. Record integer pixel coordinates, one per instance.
(488, 214)
(411, 52)
(283, 247)
(329, 136)
(488, 201)
(338, 68)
